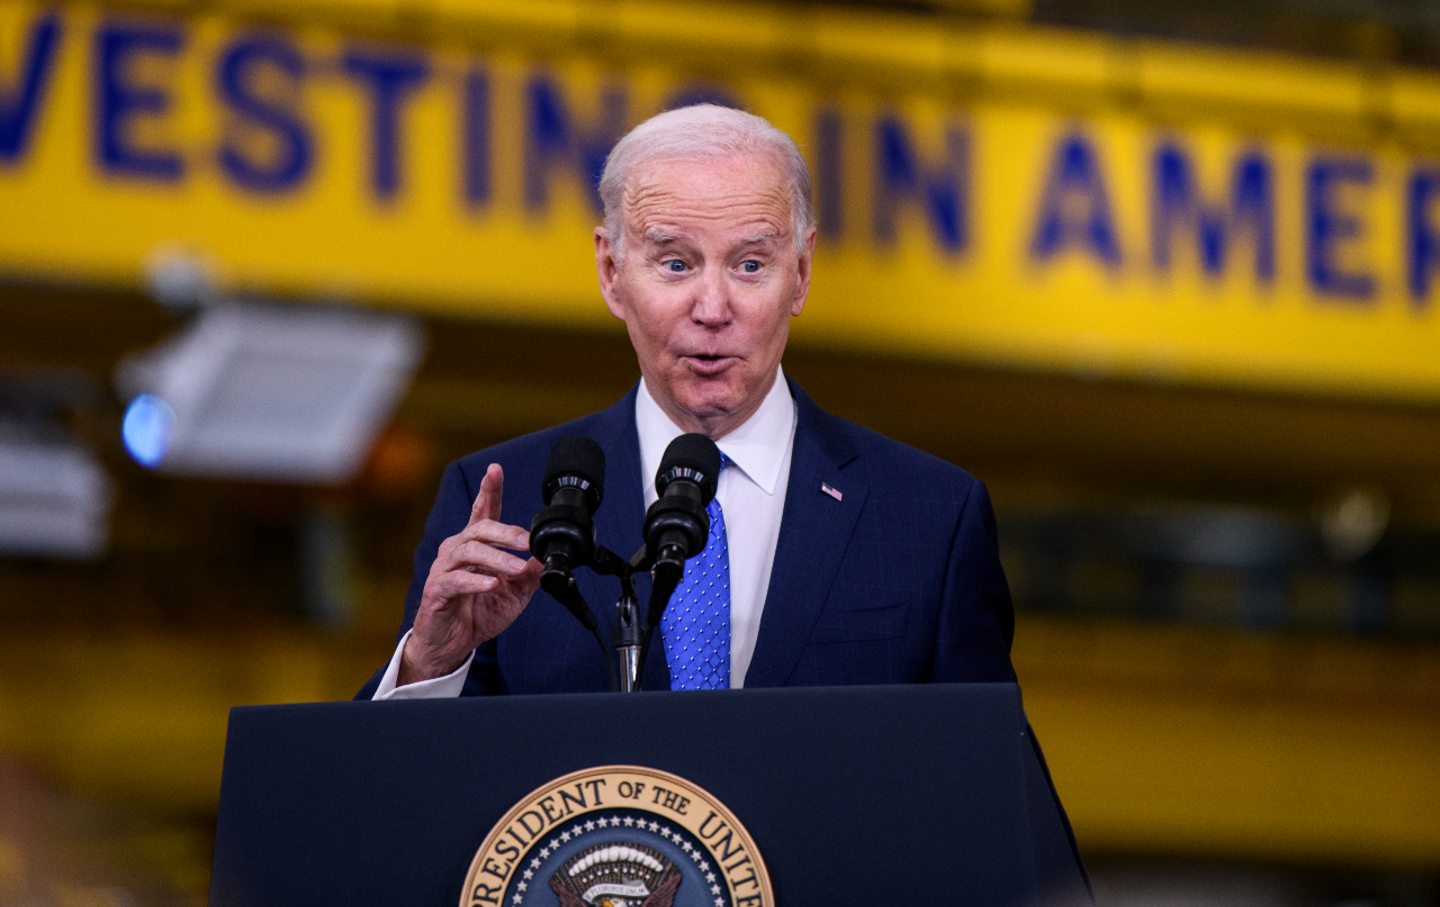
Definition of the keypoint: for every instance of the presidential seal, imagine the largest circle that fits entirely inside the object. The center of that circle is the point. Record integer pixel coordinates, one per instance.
(618, 836)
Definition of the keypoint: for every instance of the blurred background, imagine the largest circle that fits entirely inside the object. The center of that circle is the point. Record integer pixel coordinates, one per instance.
(1164, 275)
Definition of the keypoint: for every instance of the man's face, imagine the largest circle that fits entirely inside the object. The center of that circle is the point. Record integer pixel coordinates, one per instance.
(709, 278)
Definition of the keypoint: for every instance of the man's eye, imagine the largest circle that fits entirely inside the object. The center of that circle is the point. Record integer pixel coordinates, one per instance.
(750, 266)
(674, 265)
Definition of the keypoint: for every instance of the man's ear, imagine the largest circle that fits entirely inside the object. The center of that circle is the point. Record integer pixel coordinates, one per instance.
(802, 273)
(607, 269)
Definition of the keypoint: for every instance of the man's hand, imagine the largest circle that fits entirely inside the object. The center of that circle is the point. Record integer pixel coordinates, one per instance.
(474, 591)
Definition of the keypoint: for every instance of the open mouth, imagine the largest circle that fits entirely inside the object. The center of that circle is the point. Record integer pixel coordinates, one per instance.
(707, 362)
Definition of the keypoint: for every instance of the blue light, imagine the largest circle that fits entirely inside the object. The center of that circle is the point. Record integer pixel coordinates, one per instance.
(146, 429)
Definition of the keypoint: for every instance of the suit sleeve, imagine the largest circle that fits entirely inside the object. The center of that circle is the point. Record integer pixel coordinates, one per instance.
(977, 619)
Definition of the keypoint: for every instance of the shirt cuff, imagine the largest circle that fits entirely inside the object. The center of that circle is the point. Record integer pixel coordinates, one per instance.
(447, 687)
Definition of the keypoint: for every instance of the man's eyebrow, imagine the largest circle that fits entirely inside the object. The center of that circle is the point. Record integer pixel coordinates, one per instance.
(760, 239)
(660, 237)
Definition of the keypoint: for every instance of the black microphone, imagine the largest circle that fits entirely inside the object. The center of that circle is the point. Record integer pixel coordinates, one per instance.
(676, 525)
(562, 535)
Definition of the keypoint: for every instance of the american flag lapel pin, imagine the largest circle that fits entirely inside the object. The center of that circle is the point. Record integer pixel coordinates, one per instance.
(832, 491)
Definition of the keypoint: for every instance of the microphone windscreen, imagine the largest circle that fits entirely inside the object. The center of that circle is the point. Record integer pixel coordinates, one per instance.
(693, 457)
(578, 462)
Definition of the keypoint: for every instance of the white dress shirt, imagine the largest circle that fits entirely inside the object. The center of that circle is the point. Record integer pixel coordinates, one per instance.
(752, 495)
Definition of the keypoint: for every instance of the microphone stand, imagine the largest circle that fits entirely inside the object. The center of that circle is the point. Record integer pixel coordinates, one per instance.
(629, 635)
(632, 631)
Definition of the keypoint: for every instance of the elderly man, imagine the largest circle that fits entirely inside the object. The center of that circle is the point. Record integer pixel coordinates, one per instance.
(844, 557)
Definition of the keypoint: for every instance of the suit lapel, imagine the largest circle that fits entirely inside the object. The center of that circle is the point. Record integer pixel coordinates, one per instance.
(814, 531)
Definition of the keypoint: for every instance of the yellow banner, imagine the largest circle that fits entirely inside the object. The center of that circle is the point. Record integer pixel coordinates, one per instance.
(458, 177)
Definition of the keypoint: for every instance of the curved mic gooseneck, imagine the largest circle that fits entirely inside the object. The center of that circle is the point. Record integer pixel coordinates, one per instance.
(562, 537)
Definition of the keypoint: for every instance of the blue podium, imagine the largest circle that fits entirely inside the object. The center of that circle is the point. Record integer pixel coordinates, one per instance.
(854, 795)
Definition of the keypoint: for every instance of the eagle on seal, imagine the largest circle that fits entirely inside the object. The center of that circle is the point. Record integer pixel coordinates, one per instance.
(616, 875)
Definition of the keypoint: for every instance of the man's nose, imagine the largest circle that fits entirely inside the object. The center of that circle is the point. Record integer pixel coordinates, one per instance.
(711, 305)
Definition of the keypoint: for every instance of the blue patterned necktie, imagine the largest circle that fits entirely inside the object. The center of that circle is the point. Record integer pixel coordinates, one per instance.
(696, 625)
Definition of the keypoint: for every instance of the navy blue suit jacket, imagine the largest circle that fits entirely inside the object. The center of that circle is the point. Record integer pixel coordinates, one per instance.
(899, 581)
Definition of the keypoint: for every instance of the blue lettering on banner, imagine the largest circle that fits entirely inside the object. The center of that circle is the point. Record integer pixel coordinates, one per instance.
(1328, 226)
(1175, 202)
(260, 79)
(120, 102)
(941, 190)
(19, 107)
(830, 173)
(240, 66)
(389, 78)
(1075, 207)
(553, 140)
(1423, 247)
(475, 138)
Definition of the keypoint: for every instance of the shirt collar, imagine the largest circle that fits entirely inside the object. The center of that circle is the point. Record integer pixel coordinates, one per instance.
(757, 446)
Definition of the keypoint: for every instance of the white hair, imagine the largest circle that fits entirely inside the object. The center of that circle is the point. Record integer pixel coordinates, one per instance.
(702, 131)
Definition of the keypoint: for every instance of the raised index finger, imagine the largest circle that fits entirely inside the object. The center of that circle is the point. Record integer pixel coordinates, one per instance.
(487, 502)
